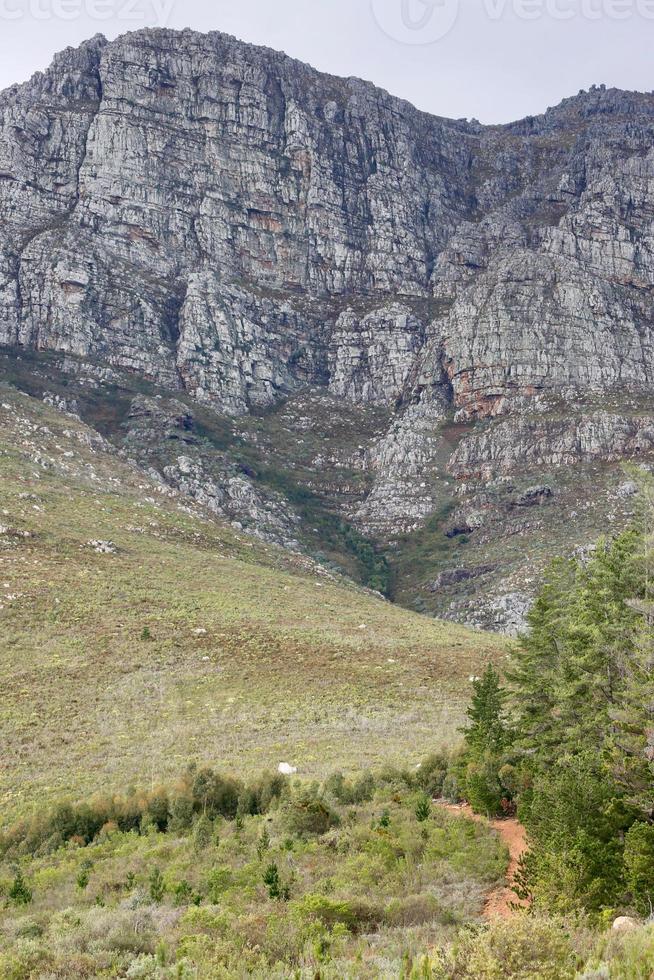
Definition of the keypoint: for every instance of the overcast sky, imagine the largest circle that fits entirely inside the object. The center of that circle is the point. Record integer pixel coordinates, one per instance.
(495, 60)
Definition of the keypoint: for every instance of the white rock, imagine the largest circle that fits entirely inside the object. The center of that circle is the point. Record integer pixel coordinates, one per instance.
(625, 923)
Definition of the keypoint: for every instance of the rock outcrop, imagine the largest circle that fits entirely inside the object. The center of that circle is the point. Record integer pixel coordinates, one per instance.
(235, 228)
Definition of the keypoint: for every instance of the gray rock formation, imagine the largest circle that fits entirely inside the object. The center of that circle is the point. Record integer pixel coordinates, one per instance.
(234, 227)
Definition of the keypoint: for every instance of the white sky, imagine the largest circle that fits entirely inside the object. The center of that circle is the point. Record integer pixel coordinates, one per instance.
(500, 59)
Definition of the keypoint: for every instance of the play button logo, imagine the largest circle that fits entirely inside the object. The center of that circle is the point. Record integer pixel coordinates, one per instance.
(416, 21)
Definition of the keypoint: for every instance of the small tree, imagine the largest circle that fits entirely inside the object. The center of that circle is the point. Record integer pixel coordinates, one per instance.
(264, 844)
(157, 886)
(423, 809)
(202, 833)
(20, 893)
(272, 881)
(84, 875)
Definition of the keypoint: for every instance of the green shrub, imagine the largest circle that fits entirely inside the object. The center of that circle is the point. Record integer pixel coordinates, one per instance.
(202, 833)
(423, 809)
(20, 893)
(181, 813)
(432, 773)
(215, 795)
(309, 815)
(261, 794)
(84, 875)
(624, 956)
(483, 788)
(218, 882)
(350, 792)
(319, 908)
(157, 886)
(452, 790)
(273, 882)
(523, 947)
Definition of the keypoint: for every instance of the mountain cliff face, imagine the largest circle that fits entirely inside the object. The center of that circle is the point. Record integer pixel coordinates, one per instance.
(276, 282)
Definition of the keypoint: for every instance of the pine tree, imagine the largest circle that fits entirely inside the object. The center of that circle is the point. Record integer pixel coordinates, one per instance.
(534, 671)
(633, 714)
(567, 675)
(487, 731)
(20, 893)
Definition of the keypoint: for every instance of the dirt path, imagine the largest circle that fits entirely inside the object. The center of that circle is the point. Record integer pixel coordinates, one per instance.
(499, 902)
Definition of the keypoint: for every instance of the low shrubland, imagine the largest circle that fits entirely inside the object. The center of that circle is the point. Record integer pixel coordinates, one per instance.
(211, 876)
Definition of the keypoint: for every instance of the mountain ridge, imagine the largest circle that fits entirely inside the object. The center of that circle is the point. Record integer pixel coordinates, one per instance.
(231, 226)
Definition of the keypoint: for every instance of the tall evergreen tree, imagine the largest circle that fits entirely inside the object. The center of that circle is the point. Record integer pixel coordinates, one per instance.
(535, 668)
(487, 731)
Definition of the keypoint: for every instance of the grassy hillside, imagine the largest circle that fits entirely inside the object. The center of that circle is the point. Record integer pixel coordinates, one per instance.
(184, 640)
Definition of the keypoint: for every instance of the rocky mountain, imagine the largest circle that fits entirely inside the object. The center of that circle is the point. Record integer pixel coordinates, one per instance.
(417, 348)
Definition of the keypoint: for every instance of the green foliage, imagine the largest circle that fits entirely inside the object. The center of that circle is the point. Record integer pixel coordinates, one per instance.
(423, 809)
(639, 865)
(487, 740)
(385, 820)
(273, 882)
(350, 792)
(181, 813)
(377, 573)
(218, 881)
(84, 876)
(319, 908)
(202, 832)
(576, 825)
(567, 671)
(522, 948)
(271, 907)
(483, 788)
(583, 707)
(197, 799)
(308, 814)
(487, 730)
(183, 893)
(264, 843)
(157, 886)
(20, 893)
(432, 773)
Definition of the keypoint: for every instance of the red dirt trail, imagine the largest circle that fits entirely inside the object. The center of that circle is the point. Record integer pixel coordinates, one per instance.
(501, 901)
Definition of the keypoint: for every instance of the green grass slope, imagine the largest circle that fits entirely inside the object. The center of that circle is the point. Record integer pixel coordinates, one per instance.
(188, 640)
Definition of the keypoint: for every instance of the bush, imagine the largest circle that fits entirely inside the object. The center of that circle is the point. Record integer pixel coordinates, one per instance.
(20, 893)
(423, 809)
(214, 795)
(431, 775)
(218, 881)
(483, 788)
(202, 833)
(319, 908)
(273, 882)
(181, 813)
(350, 792)
(524, 947)
(309, 815)
(452, 787)
(624, 956)
(157, 886)
(259, 796)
